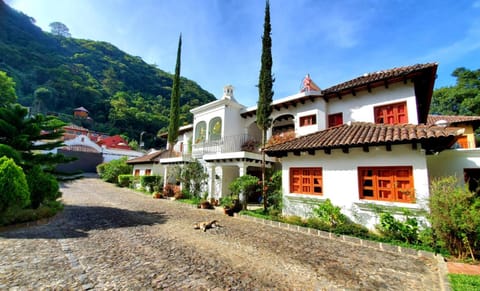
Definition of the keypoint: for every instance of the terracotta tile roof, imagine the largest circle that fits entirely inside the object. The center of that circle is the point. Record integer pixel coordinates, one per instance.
(423, 76)
(359, 134)
(392, 75)
(452, 119)
(146, 159)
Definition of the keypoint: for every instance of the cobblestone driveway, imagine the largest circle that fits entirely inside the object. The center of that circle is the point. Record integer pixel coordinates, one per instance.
(113, 238)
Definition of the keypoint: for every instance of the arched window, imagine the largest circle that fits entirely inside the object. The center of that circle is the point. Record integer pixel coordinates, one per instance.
(200, 132)
(215, 129)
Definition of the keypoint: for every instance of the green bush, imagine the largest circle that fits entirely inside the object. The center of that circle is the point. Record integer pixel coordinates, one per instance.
(245, 184)
(295, 220)
(352, 229)
(149, 182)
(9, 152)
(274, 190)
(43, 186)
(454, 217)
(394, 229)
(330, 214)
(14, 193)
(317, 223)
(110, 171)
(125, 180)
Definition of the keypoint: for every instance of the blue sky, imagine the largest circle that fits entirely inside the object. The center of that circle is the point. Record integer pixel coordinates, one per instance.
(334, 41)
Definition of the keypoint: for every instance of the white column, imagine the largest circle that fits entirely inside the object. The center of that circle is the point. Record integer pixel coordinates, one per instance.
(165, 175)
(211, 180)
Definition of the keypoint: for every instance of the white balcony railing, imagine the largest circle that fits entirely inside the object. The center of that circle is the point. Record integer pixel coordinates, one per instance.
(226, 144)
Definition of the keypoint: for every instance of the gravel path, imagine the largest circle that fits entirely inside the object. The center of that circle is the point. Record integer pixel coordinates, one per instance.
(113, 238)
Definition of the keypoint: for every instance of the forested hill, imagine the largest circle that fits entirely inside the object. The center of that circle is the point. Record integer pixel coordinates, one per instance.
(57, 74)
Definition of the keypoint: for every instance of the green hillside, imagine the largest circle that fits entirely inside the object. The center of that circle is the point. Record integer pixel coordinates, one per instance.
(54, 74)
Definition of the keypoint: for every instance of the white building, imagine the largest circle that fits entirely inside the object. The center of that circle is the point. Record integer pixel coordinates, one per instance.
(364, 144)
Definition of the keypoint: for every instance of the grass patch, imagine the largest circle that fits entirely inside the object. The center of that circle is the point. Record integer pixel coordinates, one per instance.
(192, 201)
(28, 215)
(461, 282)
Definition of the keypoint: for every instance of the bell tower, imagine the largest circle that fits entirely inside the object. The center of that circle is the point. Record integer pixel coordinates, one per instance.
(228, 92)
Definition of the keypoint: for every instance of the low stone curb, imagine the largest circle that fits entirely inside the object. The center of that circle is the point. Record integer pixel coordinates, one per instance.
(441, 264)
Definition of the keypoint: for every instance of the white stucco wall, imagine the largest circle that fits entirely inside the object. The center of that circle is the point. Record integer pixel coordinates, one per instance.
(360, 107)
(340, 177)
(156, 169)
(453, 162)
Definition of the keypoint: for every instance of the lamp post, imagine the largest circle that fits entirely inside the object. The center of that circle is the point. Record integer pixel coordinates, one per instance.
(141, 139)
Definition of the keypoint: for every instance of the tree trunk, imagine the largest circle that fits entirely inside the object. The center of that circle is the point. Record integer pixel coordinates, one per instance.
(264, 192)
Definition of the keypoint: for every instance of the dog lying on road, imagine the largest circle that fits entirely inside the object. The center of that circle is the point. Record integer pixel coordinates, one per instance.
(206, 225)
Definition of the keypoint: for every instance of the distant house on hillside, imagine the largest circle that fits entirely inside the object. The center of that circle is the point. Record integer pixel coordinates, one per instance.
(92, 148)
(80, 112)
(114, 142)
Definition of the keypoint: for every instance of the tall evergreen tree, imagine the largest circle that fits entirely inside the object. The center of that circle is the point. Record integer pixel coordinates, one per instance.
(265, 92)
(175, 102)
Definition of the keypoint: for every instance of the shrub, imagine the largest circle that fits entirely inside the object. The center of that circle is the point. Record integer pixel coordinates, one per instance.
(274, 190)
(14, 193)
(125, 180)
(394, 229)
(330, 214)
(110, 171)
(43, 186)
(149, 182)
(317, 223)
(295, 220)
(193, 177)
(245, 184)
(454, 217)
(352, 229)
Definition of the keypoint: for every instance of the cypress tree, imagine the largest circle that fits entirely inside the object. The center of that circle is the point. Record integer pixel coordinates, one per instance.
(175, 102)
(265, 92)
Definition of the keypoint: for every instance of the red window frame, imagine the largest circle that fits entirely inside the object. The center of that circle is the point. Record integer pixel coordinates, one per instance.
(137, 172)
(306, 181)
(335, 119)
(394, 184)
(148, 172)
(308, 120)
(395, 113)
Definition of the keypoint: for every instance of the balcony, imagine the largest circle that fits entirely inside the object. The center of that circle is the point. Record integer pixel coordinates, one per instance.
(228, 144)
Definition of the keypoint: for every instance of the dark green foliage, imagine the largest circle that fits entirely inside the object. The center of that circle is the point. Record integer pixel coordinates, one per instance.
(29, 135)
(87, 73)
(193, 177)
(330, 214)
(274, 190)
(246, 185)
(110, 171)
(7, 89)
(461, 99)
(125, 180)
(265, 92)
(9, 152)
(60, 29)
(151, 182)
(454, 217)
(395, 229)
(265, 82)
(174, 123)
(47, 210)
(43, 186)
(14, 192)
(352, 229)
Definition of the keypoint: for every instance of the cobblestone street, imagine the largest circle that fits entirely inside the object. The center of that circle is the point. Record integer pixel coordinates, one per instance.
(113, 238)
